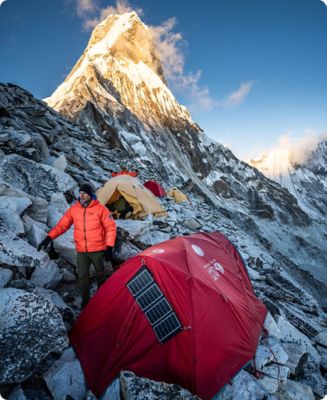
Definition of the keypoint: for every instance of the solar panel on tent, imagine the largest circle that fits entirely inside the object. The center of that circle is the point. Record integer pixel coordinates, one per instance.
(154, 304)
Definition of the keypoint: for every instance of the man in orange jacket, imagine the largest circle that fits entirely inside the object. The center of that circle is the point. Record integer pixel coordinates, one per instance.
(94, 235)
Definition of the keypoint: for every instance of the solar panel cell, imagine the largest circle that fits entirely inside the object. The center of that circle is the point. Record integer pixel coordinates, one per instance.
(154, 304)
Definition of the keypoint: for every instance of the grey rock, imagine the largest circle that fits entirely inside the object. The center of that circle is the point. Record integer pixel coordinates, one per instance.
(36, 210)
(16, 252)
(31, 328)
(35, 179)
(136, 388)
(54, 297)
(64, 244)
(317, 383)
(294, 390)
(35, 231)
(271, 326)
(192, 224)
(276, 349)
(277, 372)
(269, 384)
(263, 356)
(131, 229)
(65, 377)
(5, 276)
(321, 339)
(68, 276)
(254, 275)
(292, 335)
(295, 354)
(112, 392)
(323, 354)
(244, 387)
(151, 238)
(10, 210)
(124, 250)
(60, 162)
(47, 276)
(57, 207)
(16, 393)
(22, 284)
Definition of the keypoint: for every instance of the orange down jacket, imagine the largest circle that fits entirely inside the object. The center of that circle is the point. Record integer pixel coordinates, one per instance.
(94, 227)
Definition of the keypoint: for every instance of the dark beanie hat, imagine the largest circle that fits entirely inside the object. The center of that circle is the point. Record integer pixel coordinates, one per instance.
(86, 188)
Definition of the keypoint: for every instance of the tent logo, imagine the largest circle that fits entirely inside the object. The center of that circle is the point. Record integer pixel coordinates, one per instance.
(197, 250)
(219, 267)
(157, 251)
(214, 269)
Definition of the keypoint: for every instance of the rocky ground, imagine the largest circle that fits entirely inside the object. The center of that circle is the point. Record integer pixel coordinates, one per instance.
(43, 159)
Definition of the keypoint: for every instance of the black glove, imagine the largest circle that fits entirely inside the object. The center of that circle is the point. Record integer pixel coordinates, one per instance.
(44, 244)
(108, 254)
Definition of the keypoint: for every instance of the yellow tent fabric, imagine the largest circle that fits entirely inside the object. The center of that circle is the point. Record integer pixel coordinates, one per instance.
(140, 198)
(177, 195)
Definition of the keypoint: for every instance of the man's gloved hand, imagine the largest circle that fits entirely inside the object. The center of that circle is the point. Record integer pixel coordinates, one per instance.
(108, 254)
(44, 244)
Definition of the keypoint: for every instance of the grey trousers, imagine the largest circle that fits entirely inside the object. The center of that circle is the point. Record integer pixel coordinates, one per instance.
(84, 261)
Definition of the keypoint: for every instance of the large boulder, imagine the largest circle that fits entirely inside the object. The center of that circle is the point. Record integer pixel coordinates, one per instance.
(64, 244)
(151, 238)
(244, 386)
(31, 328)
(65, 377)
(136, 388)
(11, 209)
(271, 326)
(35, 179)
(294, 390)
(27, 144)
(35, 231)
(5, 276)
(129, 229)
(47, 276)
(16, 252)
(38, 208)
(112, 392)
(290, 334)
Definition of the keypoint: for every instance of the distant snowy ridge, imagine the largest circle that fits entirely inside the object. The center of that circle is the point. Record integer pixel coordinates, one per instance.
(306, 180)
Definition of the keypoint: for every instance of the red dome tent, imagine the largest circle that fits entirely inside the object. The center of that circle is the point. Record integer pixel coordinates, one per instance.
(182, 311)
(155, 188)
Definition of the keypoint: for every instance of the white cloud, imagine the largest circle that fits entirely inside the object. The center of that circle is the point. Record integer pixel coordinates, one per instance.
(92, 14)
(2, 1)
(325, 2)
(297, 149)
(237, 97)
(169, 46)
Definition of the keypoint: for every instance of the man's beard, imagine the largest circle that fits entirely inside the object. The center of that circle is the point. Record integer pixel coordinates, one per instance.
(85, 203)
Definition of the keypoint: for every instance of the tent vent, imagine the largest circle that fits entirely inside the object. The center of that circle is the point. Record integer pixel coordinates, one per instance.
(154, 304)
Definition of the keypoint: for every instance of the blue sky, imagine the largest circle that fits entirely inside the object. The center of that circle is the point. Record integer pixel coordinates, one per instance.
(258, 68)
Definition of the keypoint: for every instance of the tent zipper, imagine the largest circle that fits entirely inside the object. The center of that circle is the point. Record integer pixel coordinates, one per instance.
(85, 229)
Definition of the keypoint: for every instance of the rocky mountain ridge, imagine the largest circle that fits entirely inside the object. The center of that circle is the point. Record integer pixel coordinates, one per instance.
(307, 181)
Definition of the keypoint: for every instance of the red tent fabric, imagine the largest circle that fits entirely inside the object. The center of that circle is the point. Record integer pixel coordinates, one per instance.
(155, 188)
(205, 281)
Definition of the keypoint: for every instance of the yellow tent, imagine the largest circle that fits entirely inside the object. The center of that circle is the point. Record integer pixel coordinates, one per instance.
(177, 195)
(140, 198)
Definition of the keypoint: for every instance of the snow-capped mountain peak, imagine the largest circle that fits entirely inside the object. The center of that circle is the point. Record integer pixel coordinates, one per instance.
(304, 177)
(120, 69)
